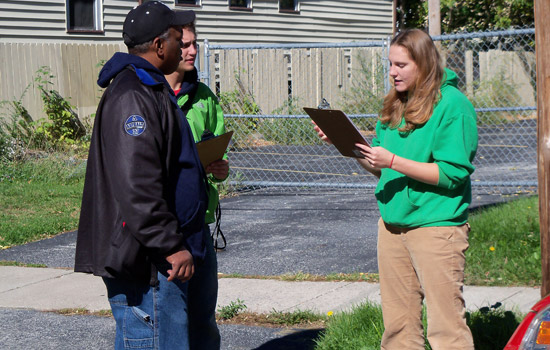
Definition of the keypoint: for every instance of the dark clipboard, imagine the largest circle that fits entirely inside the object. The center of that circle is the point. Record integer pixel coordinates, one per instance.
(339, 129)
(214, 148)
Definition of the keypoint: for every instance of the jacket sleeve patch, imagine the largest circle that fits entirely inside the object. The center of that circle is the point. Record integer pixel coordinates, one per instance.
(135, 125)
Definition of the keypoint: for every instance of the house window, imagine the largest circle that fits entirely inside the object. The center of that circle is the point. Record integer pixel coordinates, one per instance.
(240, 4)
(288, 5)
(188, 2)
(84, 16)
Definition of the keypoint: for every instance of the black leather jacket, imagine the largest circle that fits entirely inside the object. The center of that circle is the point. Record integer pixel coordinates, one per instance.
(144, 193)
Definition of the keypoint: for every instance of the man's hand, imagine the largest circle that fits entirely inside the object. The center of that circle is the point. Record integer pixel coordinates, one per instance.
(219, 169)
(182, 266)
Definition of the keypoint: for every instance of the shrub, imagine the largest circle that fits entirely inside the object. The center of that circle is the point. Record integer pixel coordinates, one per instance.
(63, 124)
(240, 101)
(19, 132)
(498, 91)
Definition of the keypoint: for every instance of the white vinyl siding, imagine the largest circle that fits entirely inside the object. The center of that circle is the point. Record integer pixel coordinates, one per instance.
(33, 21)
(317, 21)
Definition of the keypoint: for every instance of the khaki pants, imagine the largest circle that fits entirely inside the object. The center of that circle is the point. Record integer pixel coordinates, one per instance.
(425, 263)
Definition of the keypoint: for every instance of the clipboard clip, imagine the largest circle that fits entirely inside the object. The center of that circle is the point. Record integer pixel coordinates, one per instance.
(324, 104)
(207, 135)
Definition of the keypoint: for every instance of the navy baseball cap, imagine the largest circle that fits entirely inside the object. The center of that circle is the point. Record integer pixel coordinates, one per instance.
(150, 19)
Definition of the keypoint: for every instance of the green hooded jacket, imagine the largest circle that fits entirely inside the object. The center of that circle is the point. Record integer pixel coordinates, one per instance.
(449, 139)
(206, 114)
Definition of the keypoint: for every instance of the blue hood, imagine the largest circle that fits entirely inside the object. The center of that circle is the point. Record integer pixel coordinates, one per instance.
(148, 74)
(190, 83)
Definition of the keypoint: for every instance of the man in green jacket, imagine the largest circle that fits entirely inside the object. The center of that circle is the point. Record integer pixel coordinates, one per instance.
(204, 114)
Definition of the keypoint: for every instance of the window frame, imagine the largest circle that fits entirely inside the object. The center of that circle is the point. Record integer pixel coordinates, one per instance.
(97, 19)
(197, 3)
(296, 9)
(240, 8)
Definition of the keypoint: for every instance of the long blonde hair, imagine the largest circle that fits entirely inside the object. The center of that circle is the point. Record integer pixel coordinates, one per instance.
(416, 105)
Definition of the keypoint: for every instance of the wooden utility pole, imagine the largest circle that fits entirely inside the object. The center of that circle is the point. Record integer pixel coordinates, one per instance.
(434, 17)
(542, 42)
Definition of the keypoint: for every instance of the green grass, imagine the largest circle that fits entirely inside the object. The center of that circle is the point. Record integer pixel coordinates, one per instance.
(294, 318)
(19, 264)
(40, 198)
(362, 328)
(301, 276)
(505, 245)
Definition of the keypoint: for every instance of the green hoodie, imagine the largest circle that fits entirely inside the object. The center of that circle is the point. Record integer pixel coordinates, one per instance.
(448, 139)
(206, 114)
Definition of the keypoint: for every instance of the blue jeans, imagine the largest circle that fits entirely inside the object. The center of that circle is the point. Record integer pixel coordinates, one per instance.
(203, 296)
(171, 315)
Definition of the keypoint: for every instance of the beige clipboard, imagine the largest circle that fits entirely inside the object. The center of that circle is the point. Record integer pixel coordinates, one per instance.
(339, 129)
(214, 148)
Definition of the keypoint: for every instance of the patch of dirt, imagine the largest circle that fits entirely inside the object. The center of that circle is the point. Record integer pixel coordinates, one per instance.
(267, 320)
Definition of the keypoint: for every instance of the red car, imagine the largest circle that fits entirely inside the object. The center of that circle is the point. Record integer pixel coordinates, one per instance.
(533, 333)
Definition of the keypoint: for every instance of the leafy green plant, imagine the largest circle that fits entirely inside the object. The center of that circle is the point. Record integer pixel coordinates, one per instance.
(469, 15)
(16, 129)
(492, 326)
(239, 101)
(227, 312)
(19, 133)
(62, 123)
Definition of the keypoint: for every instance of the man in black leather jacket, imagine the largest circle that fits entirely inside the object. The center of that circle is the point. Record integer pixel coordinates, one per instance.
(144, 200)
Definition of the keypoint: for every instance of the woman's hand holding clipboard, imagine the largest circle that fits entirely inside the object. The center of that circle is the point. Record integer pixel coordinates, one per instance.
(335, 127)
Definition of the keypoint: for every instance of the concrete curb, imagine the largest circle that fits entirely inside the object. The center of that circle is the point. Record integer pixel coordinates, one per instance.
(57, 289)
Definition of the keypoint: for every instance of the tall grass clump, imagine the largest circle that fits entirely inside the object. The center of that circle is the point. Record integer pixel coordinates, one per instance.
(240, 101)
(367, 91)
(360, 328)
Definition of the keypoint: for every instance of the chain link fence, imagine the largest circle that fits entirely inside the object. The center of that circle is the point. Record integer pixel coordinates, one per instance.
(263, 88)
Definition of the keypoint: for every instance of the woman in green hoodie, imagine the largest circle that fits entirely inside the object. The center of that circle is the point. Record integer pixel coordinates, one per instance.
(426, 140)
